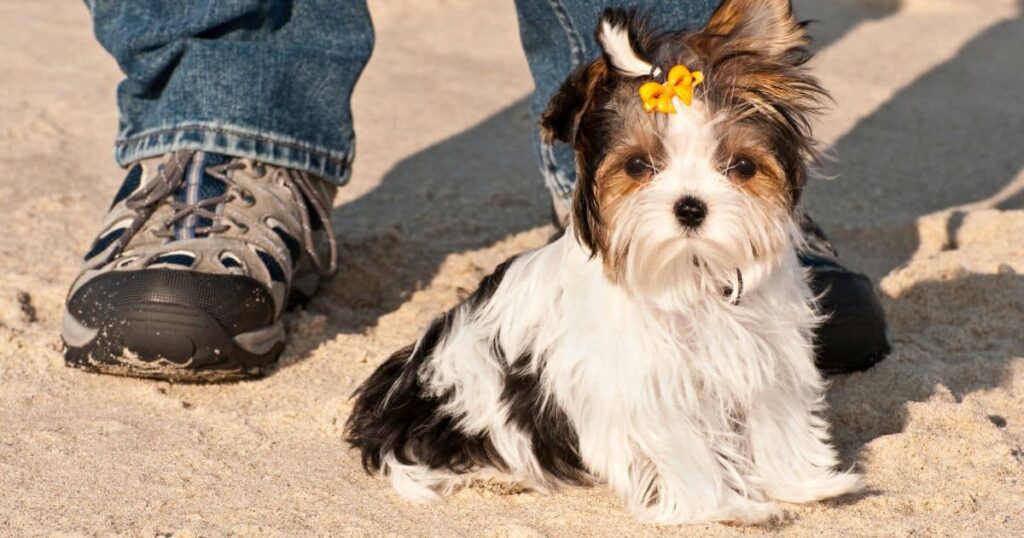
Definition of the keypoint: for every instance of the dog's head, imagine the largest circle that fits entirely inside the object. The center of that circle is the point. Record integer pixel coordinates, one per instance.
(685, 202)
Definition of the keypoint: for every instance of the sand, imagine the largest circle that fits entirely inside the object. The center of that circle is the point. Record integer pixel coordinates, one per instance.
(928, 139)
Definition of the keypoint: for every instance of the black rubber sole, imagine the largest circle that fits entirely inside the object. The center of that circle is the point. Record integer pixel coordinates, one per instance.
(173, 324)
(170, 342)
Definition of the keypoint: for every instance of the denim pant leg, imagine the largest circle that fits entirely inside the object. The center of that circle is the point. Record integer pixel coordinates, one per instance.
(558, 36)
(266, 79)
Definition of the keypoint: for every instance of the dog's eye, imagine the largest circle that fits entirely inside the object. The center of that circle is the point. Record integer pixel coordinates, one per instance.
(638, 168)
(742, 169)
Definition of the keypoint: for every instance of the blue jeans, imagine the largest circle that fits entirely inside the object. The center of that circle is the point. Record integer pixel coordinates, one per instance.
(272, 79)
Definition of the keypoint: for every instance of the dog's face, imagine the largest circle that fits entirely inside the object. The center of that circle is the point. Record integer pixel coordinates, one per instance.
(680, 205)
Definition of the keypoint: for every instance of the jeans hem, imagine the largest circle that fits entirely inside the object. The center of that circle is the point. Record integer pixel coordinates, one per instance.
(576, 46)
(280, 150)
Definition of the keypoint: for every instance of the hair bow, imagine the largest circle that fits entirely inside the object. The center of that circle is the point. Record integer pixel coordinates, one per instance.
(679, 83)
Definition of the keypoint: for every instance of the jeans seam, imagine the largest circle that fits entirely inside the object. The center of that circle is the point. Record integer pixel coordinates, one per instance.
(549, 166)
(141, 137)
(550, 170)
(572, 36)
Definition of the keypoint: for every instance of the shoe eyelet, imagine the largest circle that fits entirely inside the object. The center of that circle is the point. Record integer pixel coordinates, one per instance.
(230, 261)
(242, 228)
(181, 258)
(258, 170)
(247, 198)
(124, 262)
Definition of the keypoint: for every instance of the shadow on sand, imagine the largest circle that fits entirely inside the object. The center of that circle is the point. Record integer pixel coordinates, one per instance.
(465, 193)
(949, 142)
(951, 138)
(969, 347)
(831, 20)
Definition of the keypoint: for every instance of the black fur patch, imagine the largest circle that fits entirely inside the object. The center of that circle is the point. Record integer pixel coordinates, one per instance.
(553, 437)
(393, 412)
(559, 120)
(489, 285)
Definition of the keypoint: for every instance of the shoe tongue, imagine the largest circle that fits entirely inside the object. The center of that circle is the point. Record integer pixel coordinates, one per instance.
(198, 186)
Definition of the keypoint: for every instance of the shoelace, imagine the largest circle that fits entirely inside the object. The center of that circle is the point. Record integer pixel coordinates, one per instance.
(170, 177)
(305, 193)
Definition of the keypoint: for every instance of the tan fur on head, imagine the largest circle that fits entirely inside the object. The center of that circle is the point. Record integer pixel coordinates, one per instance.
(769, 22)
(769, 183)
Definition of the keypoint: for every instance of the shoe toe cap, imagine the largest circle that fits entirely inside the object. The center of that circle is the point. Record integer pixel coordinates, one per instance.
(238, 303)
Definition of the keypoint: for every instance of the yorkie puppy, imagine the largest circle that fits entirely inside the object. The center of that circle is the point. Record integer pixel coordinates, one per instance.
(663, 344)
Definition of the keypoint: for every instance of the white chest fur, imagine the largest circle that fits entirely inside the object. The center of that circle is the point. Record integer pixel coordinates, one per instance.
(703, 412)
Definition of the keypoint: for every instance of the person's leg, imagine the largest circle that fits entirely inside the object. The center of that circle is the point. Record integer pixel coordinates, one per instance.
(236, 128)
(265, 79)
(558, 36)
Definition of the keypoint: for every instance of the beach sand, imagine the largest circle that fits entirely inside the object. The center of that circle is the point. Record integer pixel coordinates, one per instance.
(928, 137)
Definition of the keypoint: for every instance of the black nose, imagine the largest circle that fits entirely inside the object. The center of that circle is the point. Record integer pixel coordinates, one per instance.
(691, 211)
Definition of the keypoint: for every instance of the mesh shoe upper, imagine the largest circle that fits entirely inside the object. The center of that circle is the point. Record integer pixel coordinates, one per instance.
(217, 215)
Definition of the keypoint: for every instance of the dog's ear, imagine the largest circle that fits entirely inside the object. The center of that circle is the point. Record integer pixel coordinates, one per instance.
(561, 122)
(562, 117)
(767, 25)
(755, 54)
(622, 35)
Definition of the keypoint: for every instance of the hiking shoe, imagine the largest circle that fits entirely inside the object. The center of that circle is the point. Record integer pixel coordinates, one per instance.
(195, 264)
(853, 336)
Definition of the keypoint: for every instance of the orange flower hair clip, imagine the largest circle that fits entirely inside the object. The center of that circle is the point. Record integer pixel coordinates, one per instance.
(679, 83)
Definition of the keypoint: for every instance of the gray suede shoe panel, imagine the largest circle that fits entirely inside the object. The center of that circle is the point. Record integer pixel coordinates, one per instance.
(215, 214)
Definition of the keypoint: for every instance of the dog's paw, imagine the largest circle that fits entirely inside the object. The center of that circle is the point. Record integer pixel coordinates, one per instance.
(825, 486)
(748, 512)
(419, 483)
(735, 509)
